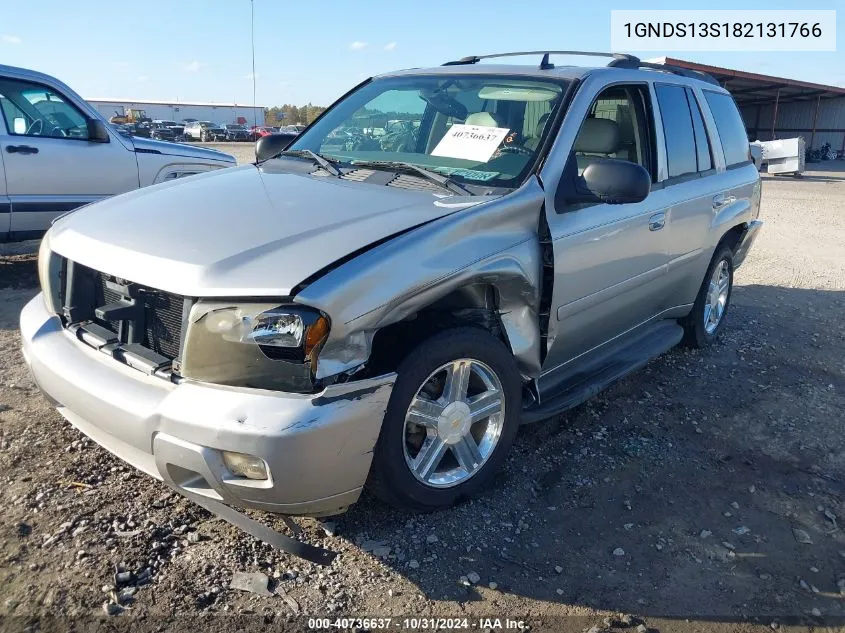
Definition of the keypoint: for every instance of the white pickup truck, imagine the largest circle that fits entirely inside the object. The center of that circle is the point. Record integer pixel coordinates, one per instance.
(57, 153)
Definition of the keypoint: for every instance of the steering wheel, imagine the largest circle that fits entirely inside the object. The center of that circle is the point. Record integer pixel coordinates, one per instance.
(29, 131)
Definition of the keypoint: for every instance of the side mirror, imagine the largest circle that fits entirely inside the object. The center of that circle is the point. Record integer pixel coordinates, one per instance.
(97, 132)
(612, 181)
(268, 146)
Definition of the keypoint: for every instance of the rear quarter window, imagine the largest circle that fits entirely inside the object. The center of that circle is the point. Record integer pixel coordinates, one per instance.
(730, 126)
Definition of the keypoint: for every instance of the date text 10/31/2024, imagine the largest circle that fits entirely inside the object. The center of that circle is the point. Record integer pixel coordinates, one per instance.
(417, 624)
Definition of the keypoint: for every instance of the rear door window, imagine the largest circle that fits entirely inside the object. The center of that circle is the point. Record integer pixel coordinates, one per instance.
(678, 132)
(731, 128)
(702, 144)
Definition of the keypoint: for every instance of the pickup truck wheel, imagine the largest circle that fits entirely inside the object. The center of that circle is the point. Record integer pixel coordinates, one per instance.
(707, 318)
(451, 419)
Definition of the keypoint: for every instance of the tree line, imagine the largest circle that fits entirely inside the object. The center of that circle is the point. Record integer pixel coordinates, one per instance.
(289, 114)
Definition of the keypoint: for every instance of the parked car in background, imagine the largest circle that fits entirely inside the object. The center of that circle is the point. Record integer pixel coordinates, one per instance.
(204, 131)
(236, 132)
(257, 131)
(59, 153)
(160, 131)
(291, 129)
(126, 130)
(143, 130)
(178, 128)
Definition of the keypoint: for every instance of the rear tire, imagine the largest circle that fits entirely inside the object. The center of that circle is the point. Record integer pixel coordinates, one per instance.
(454, 381)
(703, 324)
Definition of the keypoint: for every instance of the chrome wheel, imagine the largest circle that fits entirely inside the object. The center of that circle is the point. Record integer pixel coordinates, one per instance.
(453, 423)
(717, 296)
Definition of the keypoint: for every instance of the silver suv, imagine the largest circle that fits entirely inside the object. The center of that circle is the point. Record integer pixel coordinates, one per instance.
(444, 254)
(57, 153)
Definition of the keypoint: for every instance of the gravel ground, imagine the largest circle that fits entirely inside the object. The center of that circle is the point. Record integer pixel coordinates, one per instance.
(703, 493)
(243, 152)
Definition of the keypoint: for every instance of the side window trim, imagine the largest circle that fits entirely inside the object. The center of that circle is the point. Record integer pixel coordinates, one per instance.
(659, 138)
(686, 177)
(695, 109)
(718, 152)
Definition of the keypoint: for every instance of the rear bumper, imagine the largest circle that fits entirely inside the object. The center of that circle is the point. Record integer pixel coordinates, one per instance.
(318, 447)
(746, 241)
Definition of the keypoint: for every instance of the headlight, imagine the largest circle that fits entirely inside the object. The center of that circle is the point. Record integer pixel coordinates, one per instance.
(49, 275)
(267, 346)
(283, 326)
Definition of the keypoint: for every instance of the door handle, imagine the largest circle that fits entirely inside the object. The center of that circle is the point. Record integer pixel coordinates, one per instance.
(657, 222)
(720, 200)
(21, 149)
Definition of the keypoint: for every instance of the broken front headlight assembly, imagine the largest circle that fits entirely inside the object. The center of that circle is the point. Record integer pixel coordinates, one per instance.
(260, 345)
(49, 275)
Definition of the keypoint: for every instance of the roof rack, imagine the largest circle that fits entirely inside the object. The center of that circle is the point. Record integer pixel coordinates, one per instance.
(545, 64)
(684, 72)
(620, 60)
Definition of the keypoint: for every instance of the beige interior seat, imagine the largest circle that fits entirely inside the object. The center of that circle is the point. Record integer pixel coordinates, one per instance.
(534, 141)
(597, 140)
(484, 119)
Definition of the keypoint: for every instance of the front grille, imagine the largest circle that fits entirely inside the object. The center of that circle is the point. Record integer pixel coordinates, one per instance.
(162, 320)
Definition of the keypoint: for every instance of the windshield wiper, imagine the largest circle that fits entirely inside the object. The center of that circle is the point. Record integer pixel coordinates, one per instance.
(320, 160)
(440, 179)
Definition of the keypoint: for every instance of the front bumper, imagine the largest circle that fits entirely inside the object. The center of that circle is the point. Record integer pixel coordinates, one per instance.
(746, 241)
(318, 447)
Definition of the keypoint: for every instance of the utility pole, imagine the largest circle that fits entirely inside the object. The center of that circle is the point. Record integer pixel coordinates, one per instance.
(252, 40)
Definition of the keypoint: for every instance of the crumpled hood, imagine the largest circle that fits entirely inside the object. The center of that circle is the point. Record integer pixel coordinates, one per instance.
(180, 149)
(240, 231)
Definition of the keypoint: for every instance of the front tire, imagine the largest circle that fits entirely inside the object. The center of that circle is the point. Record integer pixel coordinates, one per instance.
(452, 417)
(703, 324)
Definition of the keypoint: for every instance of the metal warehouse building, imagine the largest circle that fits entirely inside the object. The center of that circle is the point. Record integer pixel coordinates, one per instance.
(776, 107)
(176, 111)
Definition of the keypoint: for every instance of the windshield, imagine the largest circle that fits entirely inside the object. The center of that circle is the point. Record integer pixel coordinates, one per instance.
(483, 130)
(234, 127)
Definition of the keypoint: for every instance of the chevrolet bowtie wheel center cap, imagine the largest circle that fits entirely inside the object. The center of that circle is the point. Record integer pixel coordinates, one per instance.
(454, 423)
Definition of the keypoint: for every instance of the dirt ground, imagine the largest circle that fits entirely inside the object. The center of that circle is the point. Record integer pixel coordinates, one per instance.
(704, 493)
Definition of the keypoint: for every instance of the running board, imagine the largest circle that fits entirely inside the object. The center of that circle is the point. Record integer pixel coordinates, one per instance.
(580, 387)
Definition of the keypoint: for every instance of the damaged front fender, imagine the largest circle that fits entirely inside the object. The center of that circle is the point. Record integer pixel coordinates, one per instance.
(494, 243)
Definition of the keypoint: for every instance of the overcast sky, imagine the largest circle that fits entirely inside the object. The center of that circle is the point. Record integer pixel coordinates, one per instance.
(199, 50)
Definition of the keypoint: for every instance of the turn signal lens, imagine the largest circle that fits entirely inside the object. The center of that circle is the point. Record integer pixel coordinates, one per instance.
(316, 334)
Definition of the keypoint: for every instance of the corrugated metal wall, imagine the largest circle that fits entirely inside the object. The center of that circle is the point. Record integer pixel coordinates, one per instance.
(796, 119)
(177, 112)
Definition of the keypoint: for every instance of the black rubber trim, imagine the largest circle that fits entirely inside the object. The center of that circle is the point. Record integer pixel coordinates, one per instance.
(46, 206)
(312, 553)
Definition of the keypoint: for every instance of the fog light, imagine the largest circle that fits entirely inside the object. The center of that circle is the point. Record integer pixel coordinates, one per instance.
(243, 465)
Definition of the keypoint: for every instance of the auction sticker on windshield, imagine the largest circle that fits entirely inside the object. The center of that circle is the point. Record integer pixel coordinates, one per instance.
(471, 142)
